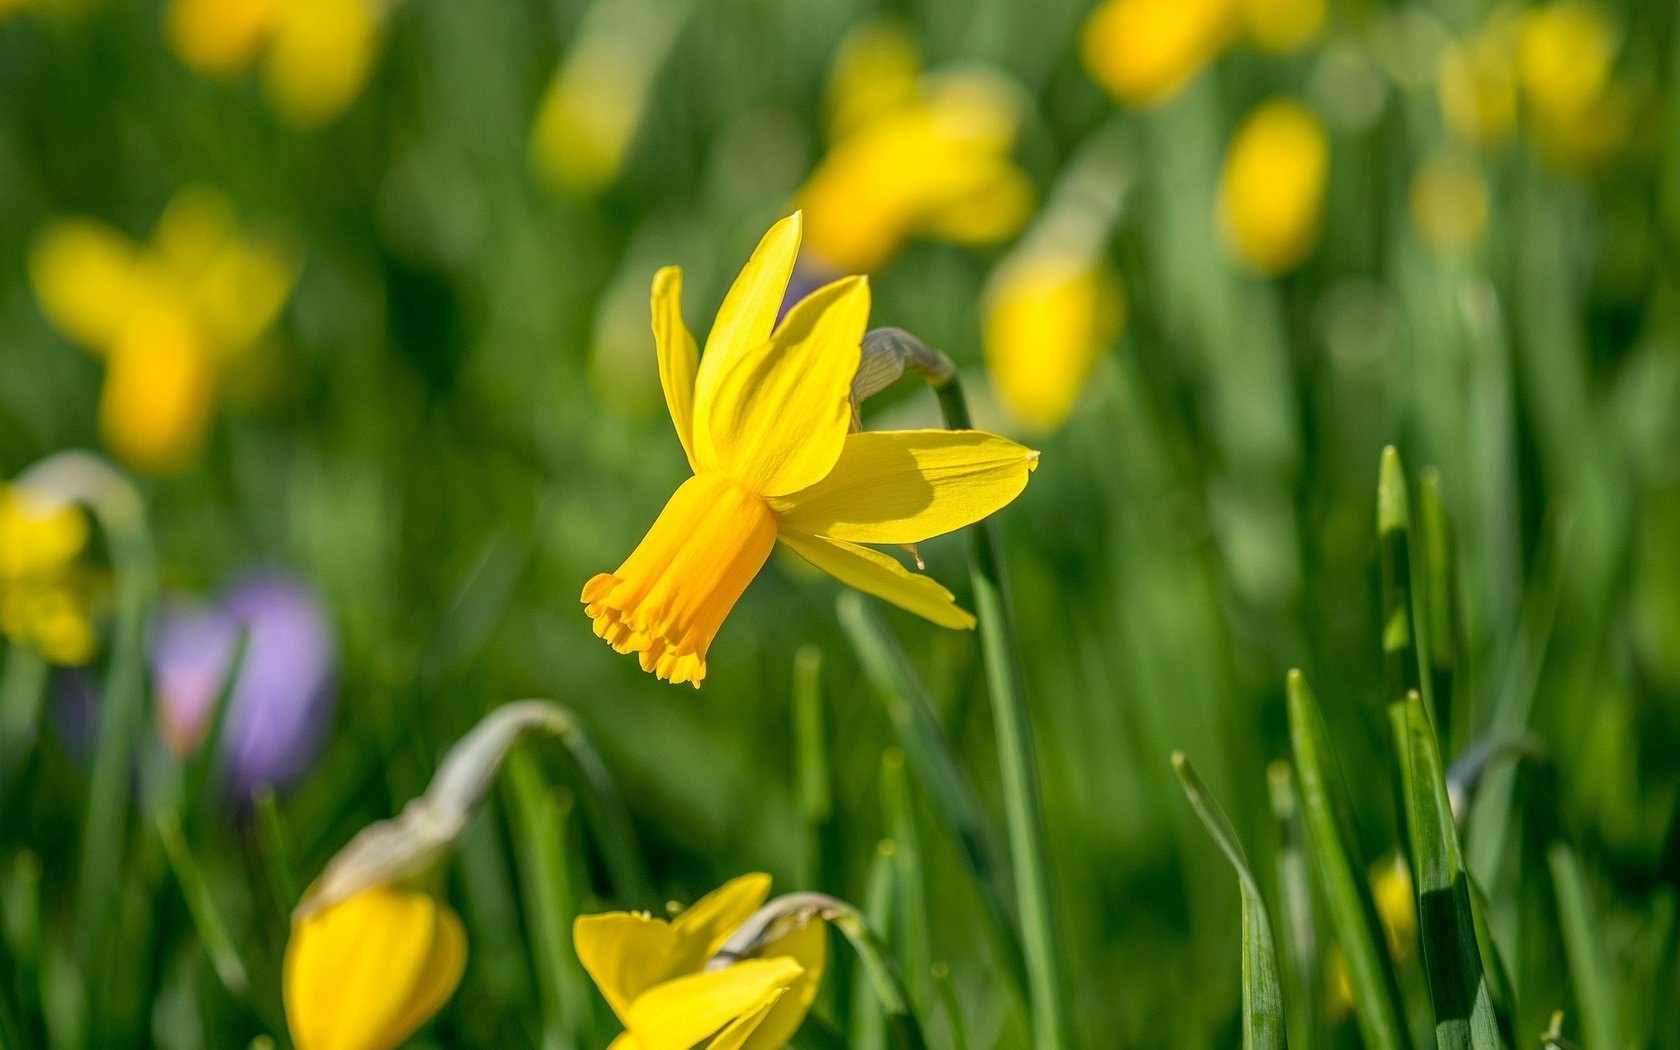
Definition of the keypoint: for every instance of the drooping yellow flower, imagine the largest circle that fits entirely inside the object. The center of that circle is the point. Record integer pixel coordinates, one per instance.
(44, 588)
(1477, 83)
(654, 974)
(911, 157)
(1580, 115)
(589, 115)
(1271, 196)
(1281, 25)
(167, 317)
(315, 54)
(1144, 51)
(1049, 316)
(764, 418)
(1449, 201)
(365, 973)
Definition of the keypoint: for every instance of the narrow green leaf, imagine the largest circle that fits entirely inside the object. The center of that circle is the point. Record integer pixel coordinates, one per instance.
(1458, 987)
(1440, 620)
(915, 950)
(1401, 640)
(939, 775)
(947, 990)
(544, 817)
(869, 1020)
(1341, 871)
(1262, 989)
(1589, 965)
(1303, 976)
(201, 906)
(811, 770)
(276, 848)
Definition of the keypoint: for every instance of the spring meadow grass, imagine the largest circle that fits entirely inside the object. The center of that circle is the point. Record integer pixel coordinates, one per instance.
(1150, 523)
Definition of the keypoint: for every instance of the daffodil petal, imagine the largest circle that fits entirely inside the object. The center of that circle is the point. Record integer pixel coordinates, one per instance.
(678, 356)
(740, 1030)
(903, 486)
(874, 573)
(84, 274)
(437, 982)
(749, 311)
(777, 420)
(714, 918)
(626, 954)
(680, 1013)
(808, 946)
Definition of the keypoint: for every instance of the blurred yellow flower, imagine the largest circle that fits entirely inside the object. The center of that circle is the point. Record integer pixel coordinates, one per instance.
(911, 157)
(1391, 892)
(365, 973)
(1565, 55)
(1049, 316)
(1281, 25)
(315, 54)
(167, 317)
(44, 589)
(1271, 196)
(1144, 51)
(655, 977)
(1477, 83)
(765, 419)
(1449, 201)
(595, 102)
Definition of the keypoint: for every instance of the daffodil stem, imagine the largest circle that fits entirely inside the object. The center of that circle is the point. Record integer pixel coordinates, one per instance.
(1023, 805)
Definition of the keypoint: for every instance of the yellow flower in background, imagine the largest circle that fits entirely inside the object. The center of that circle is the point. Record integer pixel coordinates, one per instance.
(166, 317)
(1391, 892)
(315, 55)
(1449, 201)
(654, 974)
(765, 419)
(1477, 83)
(911, 157)
(365, 973)
(1049, 316)
(1281, 25)
(589, 115)
(1271, 196)
(1144, 51)
(1566, 52)
(44, 589)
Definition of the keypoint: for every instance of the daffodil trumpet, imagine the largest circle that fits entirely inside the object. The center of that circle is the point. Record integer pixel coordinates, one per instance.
(765, 419)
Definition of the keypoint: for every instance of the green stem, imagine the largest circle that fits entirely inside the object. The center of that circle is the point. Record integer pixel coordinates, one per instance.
(23, 681)
(1023, 806)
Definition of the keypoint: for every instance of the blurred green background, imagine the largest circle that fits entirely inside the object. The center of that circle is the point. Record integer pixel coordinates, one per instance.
(454, 420)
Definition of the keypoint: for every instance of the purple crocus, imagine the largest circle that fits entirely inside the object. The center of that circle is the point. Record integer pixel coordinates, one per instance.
(285, 687)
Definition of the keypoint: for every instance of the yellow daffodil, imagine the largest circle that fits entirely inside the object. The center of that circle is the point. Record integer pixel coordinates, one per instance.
(1477, 83)
(765, 420)
(366, 972)
(1449, 201)
(1566, 52)
(1281, 25)
(315, 54)
(654, 974)
(1271, 197)
(167, 317)
(911, 157)
(1144, 51)
(1049, 316)
(594, 105)
(44, 589)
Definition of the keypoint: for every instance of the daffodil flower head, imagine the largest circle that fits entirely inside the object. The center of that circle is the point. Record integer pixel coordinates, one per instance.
(1476, 80)
(1143, 52)
(45, 589)
(315, 54)
(1579, 113)
(1048, 317)
(167, 317)
(911, 156)
(366, 972)
(1271, 194)
(661, 979)
(765, 419)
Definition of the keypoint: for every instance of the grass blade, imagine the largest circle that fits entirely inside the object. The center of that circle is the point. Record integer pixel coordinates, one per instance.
(1341, 872)
(1263, 1022)
(543, 817)
(915, 951)
(1458, 988)
(201, 906)
(1401, 640)
(1303, 976)
(1589, 966)
(812, 775)
(1440, 621)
